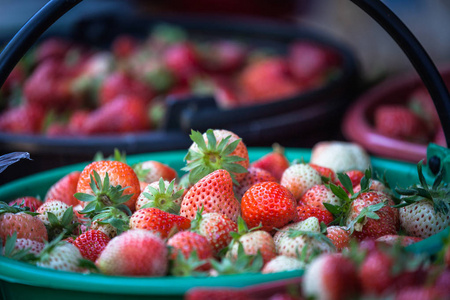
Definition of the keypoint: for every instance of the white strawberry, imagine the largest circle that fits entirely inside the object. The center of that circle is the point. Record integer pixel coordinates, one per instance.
(62, 256)
(298, 178)
(282, 263)
(340, 156)
(58, 217)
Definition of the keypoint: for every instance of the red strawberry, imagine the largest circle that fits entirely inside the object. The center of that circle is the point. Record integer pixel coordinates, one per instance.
(275, 162)
(121, 84)
(331, 276)
(158, 221)
(182, 60)
(119, 174)
(355, 176)
(151, 171)
(268, 204)
(124, 46)
(120, 115)
(14, 80)
(64, 189)
(135, 252)
(91, 243)
(325, 172)
(216, 228)
(53, 49)
(299, 178)
(213, 193)
(16, 219)
(187, 242)
(388, 218)
(339, 236)
(306, 211)
(311, 63)
(49, 86)
(254, 175)
(32, 202)
(23, 119)
(318, 195)
(76, 121)
(400, 122)
(226, 94)
(268, 80)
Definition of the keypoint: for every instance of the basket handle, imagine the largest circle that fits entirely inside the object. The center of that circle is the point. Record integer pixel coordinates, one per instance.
(416, 54)
(30, 33)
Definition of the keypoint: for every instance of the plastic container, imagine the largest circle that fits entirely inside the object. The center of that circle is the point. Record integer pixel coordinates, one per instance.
(24, 281)
(357, 124)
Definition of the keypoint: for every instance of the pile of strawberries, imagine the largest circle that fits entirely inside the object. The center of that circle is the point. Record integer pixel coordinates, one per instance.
(414, 120)
(329, 217)
(63, 88)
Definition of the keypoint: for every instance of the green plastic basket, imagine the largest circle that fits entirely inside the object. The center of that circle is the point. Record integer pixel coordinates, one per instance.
(24, 281)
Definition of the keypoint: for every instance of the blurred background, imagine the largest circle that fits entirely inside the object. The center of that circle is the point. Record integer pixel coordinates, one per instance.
(367, 51)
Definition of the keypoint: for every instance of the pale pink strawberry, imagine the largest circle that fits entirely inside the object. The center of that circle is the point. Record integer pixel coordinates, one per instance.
(150, 171)
(135, 252)
(299, 178)
(253, 242)
(340, 156)
(319, 194)
(213, 193)
(282, 263)
(63, 256)
(275, 162)
(331, 276)
(29, 201)
(216, 227)
(375, 185)
(393, 239)
(254, 175)
(27, 227)
(34, 247)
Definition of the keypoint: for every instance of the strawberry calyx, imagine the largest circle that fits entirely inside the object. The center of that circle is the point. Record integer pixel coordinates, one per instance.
(242, 230)
(187, 266)
(212, 156)
(117, 156)
(65, 226)
(438, 192)
(164, 198)
(15, 208)
(243, 263)
(113, 216)
(317, 235)
(104, 195)
(10, 251)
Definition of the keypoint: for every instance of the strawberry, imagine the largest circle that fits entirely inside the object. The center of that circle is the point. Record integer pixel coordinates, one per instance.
(355, 177)
(182, 60)
(269, 205)
(421, 103)
(91, 243)
(222, 56)
(252, 241)
(21, 244)
(108, 182)
(64, 189)
(214, 150)
(298, 178)
(306, 211)
(339, 236)
(331, 276)
(216, 227)
(158, 221)
(275, 162)
(58, 217)
(151, 171)
(187, 242)
(311, 63)
(122, 114)
(304, 238)
(399, 122)
(122, 84)
(161, 194)
(267, 80)
(20, 220)
(61, 256)
(217, 293)
(213, 193)
(23, 119)
(340, 156)
(393, 239)
(317, 195)
(14, 80)
(381, 221)
(49, 86)
(424, 208)
(226, 94)
(135, 252)
(253, 176)
(420, 293)
(124, 46)
(326, 173)
(282, 263)
(375, 185)
(54, 48)
(31, 202)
